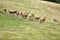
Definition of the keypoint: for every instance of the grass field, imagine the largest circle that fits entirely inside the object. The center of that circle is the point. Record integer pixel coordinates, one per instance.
(12, 28)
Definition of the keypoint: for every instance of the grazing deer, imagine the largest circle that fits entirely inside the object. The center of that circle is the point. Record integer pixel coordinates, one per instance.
(36, 17)
(19, 14)
(43, 20)
(24, 15)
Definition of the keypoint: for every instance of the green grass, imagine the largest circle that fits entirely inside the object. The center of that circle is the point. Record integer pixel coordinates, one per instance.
(12, 28)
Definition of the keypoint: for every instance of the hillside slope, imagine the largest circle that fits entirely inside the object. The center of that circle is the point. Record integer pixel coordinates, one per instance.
(37, 7)
(12, 28)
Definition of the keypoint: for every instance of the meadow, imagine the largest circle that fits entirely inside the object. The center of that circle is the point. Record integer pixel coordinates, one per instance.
(12, 28)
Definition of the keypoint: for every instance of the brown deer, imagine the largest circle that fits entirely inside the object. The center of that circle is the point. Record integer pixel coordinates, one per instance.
(13, 12)
(43, 20)
(24, 15)
(36, 17)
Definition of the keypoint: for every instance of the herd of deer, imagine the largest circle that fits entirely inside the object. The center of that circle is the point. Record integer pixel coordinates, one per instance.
(27, 16)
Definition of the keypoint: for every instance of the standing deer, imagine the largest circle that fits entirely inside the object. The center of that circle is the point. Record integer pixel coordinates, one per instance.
(13, 12)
